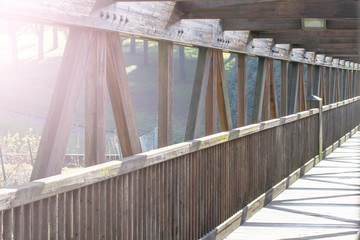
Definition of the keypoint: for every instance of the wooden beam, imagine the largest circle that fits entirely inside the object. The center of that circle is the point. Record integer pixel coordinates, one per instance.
(316, 81)
(95, 102)
(282, 24)
(341, 84)
(294, 85)
(120, 98)
(321, 82)
(51, 153)
(284, 88)
(274, 109)
(265, 115)
(310, 75)
(334, 34)
(303, 105)
(259, 90)
(165, 91)
(327, 81)
(198, 94)
(242, 90)
(211, 98)
(329, 9)
(333, 85)
(222, 94)
(299, 40)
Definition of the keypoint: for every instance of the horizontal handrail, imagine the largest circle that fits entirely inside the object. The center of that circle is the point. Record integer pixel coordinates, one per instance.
(46, 187)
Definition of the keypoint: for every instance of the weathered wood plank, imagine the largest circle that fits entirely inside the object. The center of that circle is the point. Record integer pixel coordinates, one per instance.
(198, 94)
(95, 102)
(265, 115)
(274, 109)
(211, 99)
(165, 99)
(51, 152)
(259, 90)
(222, 94)
(242, 90)
(120, 97)
(284, 88)
(302, 89)
(294, 85)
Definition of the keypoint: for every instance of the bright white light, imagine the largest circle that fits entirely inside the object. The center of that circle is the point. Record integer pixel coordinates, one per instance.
(313, 23)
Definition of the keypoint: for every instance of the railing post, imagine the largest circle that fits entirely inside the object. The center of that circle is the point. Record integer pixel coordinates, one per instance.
(316, 102)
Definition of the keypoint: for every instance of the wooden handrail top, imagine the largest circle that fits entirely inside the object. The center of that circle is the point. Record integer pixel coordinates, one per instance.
(46, 187)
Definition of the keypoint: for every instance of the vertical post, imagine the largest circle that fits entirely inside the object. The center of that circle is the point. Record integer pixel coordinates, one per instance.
(284, 88)
(242, 90)
(165, 99)
(274, 109)
(95, 102)
(210, 99)
(310, 74)
(294, 85)
(327, 88)
(332, 85)
(316, 81)
(341, 84)
(259, 90)
(265, 115)
(316, 102)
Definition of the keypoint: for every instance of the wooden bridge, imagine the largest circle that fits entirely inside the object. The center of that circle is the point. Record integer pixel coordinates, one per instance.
(204, 187)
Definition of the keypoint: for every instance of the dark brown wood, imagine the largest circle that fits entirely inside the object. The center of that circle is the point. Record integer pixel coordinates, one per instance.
(259, 90)
(120, 97)
(222, 94)
(291, 9)
(274, 109)
(302, 89)
(95, 102)
(242, 90)
(334, 34)
(51, 152)
(165, 99)
(198, 93)
(284, 88)
(294, 88)
(265, 115)
(211, 99)
(327, 87)
(17, 223)
(7, 219)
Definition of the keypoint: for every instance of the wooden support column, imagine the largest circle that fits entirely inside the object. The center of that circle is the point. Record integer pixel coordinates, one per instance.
(294, 85)
(321, 82)
(95, 102)
(316, 81)
(284, 88)
(274, 109)
(310, 75)
(165, 91)
(337, 85)
(211, 99)
(119, 92)
(341, 84)
(302, 93)
(222, 94)
(327, 89)
(242, 90)
(198, 94)
(259, 90)
(265, 115)
(333, 85)
(52, 148)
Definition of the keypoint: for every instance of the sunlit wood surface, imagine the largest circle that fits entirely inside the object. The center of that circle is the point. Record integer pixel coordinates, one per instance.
(323, 204)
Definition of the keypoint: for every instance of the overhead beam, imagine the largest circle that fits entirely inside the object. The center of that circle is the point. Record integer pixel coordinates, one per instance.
(298, 40)
(292, 9)
(282, 24)
(334, 34)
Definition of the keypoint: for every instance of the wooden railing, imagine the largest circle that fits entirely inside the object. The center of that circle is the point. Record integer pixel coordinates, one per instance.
(178, 192)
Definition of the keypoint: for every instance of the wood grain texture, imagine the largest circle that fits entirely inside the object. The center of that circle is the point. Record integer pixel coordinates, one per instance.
(198, 94)
(211, 99)
(259, 90)
(165, 90)
(51, 152)
(120, 97)
(284, 88)
(95, 102)
(242, 90)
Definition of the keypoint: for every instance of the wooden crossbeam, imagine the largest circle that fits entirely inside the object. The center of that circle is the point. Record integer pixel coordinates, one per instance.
(282, 24)
(222, 94)
(300, 40)
(95, 102)
(334, 34)
(51, 153)
(165, 90)
(242, 90)
(120, 97)
(211, 98)
(293, 9)
(198, 94)
(259, 90)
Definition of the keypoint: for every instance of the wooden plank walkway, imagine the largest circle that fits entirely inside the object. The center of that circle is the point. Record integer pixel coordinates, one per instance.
(323, 204)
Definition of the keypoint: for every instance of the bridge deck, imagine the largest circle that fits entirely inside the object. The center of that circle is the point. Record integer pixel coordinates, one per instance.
(323, 204)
